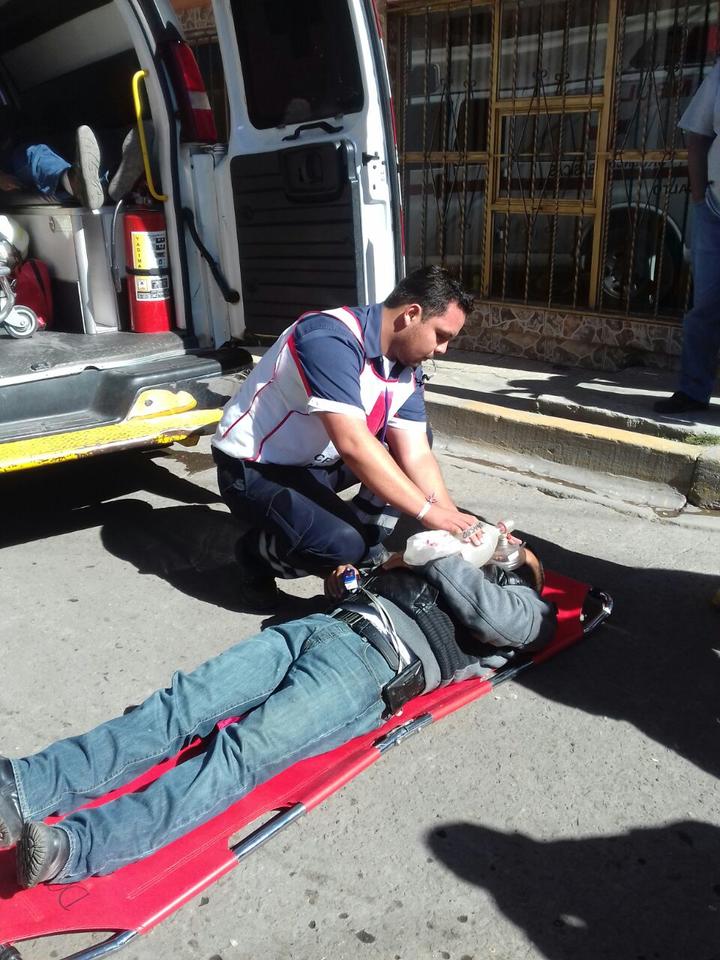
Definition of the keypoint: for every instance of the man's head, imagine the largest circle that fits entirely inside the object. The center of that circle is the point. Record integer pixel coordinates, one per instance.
(422, 315)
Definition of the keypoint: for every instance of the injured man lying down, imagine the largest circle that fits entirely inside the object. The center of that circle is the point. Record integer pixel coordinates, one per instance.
(300, 689)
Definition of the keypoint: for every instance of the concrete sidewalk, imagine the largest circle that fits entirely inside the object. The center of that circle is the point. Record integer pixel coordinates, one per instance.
(584, 418)
(593, 420)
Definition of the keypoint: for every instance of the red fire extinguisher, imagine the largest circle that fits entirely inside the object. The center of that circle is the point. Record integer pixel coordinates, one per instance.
(148, 271)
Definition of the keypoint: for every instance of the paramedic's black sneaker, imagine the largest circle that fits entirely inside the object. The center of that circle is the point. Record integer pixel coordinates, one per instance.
(259, 595)
(257, 589)
(42, 852)
(679, 402)
(10, 817)
(131, 164)
(85, 175)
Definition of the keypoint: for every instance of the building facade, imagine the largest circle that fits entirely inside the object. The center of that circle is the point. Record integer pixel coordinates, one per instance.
(541, 162)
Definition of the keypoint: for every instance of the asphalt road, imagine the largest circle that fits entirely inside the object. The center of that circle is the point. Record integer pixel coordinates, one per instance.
(574, 814)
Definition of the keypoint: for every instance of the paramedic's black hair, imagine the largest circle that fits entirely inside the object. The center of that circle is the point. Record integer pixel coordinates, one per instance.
(434, 289)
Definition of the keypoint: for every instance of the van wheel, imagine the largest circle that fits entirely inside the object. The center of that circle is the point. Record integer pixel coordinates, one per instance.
(21, 322)
(636, 282)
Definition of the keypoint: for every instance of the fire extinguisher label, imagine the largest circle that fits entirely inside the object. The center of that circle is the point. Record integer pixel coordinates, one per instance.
(152, 288)
(149, 249)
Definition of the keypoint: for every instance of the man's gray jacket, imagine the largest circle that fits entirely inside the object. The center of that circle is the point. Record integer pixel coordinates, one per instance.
(463, 621)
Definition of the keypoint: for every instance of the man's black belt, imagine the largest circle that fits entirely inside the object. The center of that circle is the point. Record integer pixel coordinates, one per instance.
(409, 682)
(368, 631)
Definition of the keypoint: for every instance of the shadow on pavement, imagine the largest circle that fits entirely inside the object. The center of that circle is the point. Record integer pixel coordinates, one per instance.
(650, 894)
(74, 496)
(587, 391)
(653, 664)
(504, 398)
(193, 548)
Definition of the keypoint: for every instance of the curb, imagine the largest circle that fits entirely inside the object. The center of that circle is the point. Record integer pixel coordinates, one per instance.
(706, 481)
(692, 470)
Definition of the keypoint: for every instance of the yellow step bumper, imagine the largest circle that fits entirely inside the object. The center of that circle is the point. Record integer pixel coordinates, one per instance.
(158, 418)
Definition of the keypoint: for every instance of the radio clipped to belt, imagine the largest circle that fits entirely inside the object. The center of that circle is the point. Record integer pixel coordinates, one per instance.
(409, 683)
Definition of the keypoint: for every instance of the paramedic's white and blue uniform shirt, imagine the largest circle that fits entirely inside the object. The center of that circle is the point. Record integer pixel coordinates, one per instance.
(325, 362)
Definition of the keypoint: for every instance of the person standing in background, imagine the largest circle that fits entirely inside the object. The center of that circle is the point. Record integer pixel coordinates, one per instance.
(701, 324)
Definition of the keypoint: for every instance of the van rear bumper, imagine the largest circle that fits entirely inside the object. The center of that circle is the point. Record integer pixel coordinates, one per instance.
(95, 411)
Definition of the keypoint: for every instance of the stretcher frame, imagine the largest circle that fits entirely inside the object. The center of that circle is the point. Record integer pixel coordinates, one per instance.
(133, 900)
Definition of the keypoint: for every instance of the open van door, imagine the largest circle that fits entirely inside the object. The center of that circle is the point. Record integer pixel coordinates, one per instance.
(311, 162)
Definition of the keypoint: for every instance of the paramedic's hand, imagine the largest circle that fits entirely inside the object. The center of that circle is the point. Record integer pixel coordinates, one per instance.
(393, 562)
(8, 183)
(334, 586)
(442, 518)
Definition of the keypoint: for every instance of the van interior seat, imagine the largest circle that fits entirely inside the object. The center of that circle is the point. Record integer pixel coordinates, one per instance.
(18, 199)
(21, 199)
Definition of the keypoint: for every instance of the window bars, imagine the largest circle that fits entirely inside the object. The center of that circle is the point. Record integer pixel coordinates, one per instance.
(541, 159)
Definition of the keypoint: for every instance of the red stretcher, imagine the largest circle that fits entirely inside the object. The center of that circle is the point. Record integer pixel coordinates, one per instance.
(136, 898)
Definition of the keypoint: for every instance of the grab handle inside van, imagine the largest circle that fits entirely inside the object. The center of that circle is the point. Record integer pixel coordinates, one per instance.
(318, 125)
(229, 295)
(137, 77)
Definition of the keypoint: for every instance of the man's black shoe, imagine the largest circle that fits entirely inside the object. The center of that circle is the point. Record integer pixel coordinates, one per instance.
(679, 402)
(10, 817)
(42, 852)
(257, 589)
(260, 595)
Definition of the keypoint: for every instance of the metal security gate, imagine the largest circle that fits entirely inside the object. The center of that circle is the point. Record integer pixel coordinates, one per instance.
(541, 159)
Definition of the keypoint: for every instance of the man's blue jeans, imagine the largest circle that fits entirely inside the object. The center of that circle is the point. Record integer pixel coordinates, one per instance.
(38, 167)
(305, 687)
(701, 325)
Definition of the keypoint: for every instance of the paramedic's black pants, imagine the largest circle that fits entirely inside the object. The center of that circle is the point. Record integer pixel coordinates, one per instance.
(297, 523)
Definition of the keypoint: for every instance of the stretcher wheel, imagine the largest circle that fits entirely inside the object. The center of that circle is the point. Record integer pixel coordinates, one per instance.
(20, 323)
(9, 953)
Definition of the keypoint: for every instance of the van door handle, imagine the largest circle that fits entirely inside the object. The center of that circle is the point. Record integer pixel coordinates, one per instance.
(317, 125)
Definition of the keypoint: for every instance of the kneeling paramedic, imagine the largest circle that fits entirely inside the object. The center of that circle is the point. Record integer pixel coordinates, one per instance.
(338, 400)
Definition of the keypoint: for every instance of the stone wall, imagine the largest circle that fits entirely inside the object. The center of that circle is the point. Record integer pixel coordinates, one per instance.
(572, 338)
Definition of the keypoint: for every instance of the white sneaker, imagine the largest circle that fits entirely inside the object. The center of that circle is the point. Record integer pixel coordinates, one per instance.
(85, 175)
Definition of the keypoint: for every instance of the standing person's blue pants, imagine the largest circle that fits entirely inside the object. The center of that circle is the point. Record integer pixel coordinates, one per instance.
(298, 523)
(701, 325)
(305, 687)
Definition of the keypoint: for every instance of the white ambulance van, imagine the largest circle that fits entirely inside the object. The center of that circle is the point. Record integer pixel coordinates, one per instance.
(154, 296)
